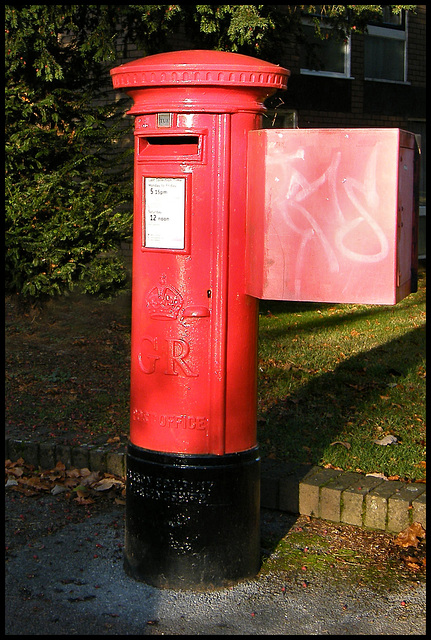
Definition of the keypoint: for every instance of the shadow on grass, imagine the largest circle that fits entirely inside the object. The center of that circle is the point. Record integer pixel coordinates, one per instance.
(340, 317)
(300, 428)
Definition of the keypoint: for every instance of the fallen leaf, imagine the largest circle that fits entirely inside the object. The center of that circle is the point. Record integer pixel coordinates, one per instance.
(78, 483)
(70, 483)
(409, 537)
(73, 473)
(35, 483)
(25, 491)
(414, 564)
(377, 475)
(389, 439)
(9, 463)
(420, 563)
(16, 471)
(81, 491)
(345, 444)
(90, 478)
(58, 488)
(82, 500)
(106, 483)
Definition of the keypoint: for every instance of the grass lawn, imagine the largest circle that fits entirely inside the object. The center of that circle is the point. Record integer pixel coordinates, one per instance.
(332, 379)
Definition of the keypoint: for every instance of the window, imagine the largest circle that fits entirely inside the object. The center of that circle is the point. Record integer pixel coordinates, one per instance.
(385, 49)
(419, 128)
(328, 57)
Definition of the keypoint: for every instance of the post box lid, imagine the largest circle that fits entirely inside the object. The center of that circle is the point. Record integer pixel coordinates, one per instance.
(199, 67)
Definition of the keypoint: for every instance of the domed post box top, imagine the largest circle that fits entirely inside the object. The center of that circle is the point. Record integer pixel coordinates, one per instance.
(202, 80)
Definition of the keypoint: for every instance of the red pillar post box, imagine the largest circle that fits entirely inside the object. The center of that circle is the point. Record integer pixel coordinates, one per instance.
(193, 466)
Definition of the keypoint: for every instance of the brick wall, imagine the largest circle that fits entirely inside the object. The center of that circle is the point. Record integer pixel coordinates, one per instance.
(417, 47)
(398, 103)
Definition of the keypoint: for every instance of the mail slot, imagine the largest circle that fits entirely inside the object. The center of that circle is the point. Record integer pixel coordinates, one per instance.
(168, 147)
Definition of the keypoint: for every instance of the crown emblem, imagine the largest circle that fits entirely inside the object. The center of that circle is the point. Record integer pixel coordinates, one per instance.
(164, 302)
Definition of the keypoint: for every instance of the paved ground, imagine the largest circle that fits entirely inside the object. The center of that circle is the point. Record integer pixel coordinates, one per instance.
(64, 576)
(64, 565)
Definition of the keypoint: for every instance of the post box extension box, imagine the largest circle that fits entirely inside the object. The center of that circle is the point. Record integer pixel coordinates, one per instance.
(331, 215)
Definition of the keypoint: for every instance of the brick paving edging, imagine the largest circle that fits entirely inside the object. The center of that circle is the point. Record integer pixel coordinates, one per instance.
(343, 496)
(339, 496)
(47, 454)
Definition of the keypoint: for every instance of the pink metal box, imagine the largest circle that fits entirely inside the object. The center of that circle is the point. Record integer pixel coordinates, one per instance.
(331, 215)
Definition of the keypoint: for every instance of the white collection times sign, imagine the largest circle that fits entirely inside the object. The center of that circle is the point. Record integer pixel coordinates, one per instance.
(164, 213)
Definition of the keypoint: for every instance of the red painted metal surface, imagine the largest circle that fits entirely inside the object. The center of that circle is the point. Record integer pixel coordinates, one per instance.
(194, 330)
(331, 215)
(199, 81)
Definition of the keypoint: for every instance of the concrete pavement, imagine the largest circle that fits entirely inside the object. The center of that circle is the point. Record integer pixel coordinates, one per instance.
(72, 582)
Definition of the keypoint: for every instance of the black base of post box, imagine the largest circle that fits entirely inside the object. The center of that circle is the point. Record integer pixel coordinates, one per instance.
(192, 521)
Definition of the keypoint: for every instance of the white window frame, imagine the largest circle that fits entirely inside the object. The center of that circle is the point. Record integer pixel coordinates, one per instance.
(331, 74)
(393, 34)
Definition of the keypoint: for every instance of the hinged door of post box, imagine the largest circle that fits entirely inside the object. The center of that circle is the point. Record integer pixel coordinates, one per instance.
(177, 299)
(330, 215)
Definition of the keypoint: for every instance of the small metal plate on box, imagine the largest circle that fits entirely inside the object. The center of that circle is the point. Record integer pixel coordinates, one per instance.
(164, 119)
(164, 213)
